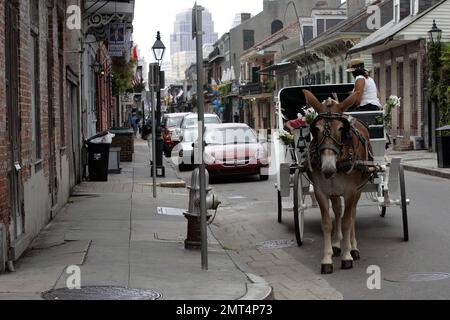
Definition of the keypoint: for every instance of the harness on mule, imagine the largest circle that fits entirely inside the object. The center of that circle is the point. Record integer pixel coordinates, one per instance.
(348, 158)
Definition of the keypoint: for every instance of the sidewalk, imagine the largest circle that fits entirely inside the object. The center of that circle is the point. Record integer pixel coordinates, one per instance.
(114, 233)
(422, 162)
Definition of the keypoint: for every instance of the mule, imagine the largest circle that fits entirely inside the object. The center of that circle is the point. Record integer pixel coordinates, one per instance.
(340, 145)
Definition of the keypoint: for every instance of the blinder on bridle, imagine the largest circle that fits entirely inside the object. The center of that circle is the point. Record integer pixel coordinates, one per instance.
(329, 117)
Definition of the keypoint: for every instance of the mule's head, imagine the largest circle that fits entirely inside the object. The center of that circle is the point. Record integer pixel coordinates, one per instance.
(329, 130)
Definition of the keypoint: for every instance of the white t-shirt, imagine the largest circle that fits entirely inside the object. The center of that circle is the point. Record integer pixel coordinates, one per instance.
(370, 95)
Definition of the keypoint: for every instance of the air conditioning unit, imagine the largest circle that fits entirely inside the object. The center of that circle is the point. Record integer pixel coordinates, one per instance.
(3, 248)
(418, 143)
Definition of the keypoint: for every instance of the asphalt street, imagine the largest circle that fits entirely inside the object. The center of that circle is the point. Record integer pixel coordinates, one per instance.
(418, 269)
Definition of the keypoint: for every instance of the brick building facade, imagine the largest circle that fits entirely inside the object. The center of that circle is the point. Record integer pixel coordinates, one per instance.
(33, 121)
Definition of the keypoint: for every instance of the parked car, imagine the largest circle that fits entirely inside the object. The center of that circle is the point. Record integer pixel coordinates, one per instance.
(186, 149)
(191, 121)
(234, 150)
(170, 122)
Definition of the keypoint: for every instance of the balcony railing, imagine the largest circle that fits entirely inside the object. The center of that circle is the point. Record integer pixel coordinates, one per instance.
(251, 89)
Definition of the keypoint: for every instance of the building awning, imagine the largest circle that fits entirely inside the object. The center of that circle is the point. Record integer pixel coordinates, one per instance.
(217, 57)
(277, 66)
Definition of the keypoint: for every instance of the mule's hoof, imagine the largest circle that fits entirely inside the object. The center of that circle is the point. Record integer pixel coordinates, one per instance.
(327, 269)
(355, 255)
(336, 252)
(346, 265)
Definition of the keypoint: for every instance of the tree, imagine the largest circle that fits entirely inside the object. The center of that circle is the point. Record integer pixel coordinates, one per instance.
(122, 75)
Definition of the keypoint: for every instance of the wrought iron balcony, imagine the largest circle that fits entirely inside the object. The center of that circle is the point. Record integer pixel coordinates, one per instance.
(251, 89)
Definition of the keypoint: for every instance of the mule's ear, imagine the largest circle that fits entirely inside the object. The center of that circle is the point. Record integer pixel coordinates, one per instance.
(312, 101)
(347, 103)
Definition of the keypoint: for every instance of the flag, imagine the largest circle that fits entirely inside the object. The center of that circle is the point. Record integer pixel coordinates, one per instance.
(136, 79)
(135, 54)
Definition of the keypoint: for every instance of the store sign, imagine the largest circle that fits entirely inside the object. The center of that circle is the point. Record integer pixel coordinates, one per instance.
(117, 39)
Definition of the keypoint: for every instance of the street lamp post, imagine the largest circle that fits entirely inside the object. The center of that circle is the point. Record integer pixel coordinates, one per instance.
(158, 51)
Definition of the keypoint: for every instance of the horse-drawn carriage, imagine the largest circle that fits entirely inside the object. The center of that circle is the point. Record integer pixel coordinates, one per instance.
(293, 160)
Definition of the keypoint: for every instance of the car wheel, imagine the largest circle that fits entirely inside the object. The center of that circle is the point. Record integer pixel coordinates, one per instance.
(263, 177)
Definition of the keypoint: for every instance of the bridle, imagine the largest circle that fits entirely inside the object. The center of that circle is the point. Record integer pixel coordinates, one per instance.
(328, 117)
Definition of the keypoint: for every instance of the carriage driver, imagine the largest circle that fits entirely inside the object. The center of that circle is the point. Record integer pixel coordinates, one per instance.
(366, 91)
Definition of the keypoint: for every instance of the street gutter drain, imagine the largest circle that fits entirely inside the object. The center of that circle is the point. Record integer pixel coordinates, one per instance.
(101, 293)
(420, 277)
(275, 244)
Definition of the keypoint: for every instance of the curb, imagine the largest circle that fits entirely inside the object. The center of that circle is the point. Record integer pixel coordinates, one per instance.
(258, 289)
(430, 172)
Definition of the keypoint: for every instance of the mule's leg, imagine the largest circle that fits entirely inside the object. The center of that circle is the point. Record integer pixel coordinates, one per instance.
(327, 226)
(347, 225)
(354, 252)
(337, 230)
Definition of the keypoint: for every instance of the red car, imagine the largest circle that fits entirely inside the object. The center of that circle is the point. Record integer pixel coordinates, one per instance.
(234, 150)
(171, 122)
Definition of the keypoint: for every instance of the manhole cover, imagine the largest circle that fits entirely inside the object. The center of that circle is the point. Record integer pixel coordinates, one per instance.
(420, 277)
(171, 211)
(275, 244)
(101, 293)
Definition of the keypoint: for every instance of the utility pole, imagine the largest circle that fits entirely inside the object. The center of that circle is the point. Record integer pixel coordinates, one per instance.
(197, 33)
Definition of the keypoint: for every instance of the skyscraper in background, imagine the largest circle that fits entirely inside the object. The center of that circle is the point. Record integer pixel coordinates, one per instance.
(181, 38)
(182, 46)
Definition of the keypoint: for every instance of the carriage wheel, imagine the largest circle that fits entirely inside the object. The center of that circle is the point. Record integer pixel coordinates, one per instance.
(404, 205)
(280, 207)
(299, 210)
(381, 209)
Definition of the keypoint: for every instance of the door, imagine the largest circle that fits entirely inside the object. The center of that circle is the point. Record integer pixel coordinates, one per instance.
(400, 92)
(413, 99)
(53, 179)
(76, 138)
(13, 118)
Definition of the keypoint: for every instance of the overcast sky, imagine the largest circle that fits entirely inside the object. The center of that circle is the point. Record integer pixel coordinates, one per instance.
(151, 16)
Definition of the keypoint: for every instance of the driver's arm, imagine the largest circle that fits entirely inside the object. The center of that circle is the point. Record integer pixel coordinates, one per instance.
(359, 90)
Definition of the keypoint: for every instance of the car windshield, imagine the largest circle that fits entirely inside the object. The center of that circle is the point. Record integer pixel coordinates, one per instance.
(190, 135)
(192, 122)
(230, 136)
(173, 122)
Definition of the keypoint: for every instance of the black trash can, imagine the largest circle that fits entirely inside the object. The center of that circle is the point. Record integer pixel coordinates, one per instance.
(443, 146)
(98, 159)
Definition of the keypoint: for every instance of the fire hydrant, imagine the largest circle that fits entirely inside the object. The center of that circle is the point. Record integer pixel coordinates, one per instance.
(193, 215)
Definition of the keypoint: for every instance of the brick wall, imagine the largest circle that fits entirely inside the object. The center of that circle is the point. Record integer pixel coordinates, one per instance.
(126, 143)
(4, 203)
(25, 57)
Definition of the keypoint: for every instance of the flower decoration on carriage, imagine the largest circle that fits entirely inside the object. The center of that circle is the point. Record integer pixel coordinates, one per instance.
(286, 137)
(310, 115)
